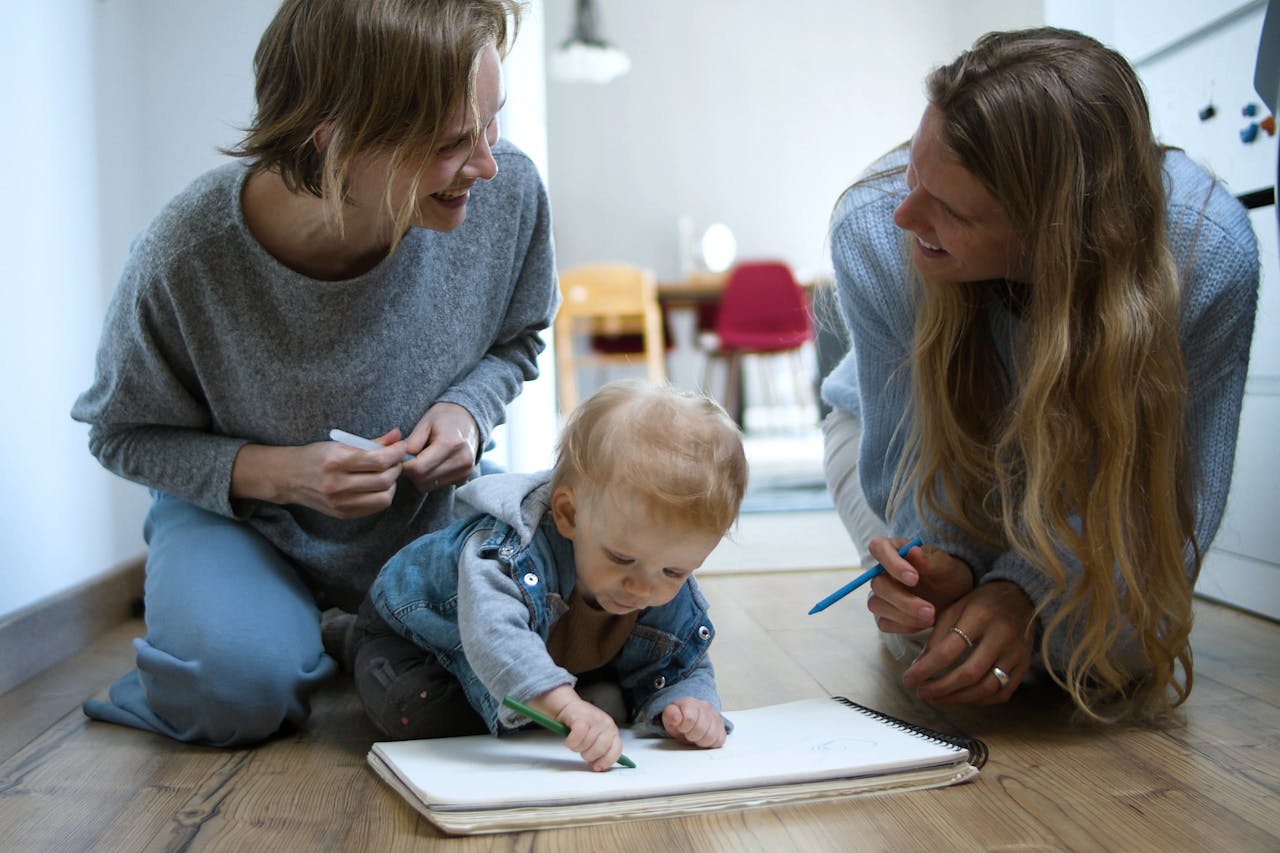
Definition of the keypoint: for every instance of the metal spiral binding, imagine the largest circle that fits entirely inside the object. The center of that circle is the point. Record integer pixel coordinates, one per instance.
(977, 749)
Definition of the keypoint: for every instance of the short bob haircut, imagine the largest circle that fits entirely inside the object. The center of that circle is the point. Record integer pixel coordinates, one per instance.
(377, 75)
(677, 452)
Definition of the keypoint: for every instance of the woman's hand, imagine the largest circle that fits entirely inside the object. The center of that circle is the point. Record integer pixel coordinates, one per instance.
(592, 733)
(906, 598)
(446, 444)
(996, 618)
(327, 476)
(694, 722)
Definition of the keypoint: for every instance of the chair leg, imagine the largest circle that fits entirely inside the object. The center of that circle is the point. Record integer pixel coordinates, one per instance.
(566, 381)
(806, 395)
(602, 377)
(733, 389)
(655, 348)
(769, 384)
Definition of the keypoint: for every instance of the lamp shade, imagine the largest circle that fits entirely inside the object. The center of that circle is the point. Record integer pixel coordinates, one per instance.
(718, 247)
(586, 57)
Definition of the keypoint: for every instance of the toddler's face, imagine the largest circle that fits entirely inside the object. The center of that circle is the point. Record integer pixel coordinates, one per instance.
(628, 559)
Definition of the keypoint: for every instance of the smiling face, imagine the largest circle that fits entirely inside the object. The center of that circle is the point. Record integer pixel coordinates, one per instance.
(626, 557)
(460, 160)
(961, 232)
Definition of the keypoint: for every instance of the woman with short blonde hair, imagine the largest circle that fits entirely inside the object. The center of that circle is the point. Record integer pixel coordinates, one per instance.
(376, 259)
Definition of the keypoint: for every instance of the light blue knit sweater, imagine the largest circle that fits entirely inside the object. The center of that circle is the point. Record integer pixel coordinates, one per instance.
(1212, 243)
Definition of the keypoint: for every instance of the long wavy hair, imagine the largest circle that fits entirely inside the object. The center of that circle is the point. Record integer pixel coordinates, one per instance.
(1087, 441)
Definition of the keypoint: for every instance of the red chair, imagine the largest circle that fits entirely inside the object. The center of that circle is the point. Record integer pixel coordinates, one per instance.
(762, 311)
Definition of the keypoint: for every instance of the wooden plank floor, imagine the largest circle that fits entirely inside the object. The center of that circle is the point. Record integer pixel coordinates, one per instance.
(1210, 783)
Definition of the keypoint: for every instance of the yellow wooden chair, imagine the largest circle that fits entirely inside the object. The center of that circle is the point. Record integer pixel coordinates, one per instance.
(603, 301)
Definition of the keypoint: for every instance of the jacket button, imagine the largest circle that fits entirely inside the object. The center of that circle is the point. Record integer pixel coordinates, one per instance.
(660, 682)
(530, 579)
(704, 632)
(506, 551)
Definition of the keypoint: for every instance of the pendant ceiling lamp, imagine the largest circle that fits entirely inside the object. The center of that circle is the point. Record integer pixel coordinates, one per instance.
(586, 57)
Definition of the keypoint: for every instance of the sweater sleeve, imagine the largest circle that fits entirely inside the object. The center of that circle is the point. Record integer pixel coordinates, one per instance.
(1221, 271)
(499, 637)
(700, 683)
(512, 359)
(148, 420)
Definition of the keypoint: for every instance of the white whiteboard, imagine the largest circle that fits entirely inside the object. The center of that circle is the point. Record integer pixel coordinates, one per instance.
(1190, 54)
(1141, 30)
(1216, 69)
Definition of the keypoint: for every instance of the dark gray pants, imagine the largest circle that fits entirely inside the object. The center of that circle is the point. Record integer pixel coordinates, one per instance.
(404, 689)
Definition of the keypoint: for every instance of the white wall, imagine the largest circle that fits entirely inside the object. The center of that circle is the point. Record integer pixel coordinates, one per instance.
(756, 113)
(112, 107)
(1216, 64)
(526, 441)
(1191, 53)
(173, 81)
(55, 514)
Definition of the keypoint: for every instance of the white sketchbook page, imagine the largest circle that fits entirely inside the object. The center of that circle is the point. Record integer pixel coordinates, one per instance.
(808, 740)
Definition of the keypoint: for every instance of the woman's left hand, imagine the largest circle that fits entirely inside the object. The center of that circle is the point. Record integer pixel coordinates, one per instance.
(993, 625)
(444, 443)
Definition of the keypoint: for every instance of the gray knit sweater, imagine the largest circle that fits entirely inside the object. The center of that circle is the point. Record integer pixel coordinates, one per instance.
(1213, 246)
(210, 343)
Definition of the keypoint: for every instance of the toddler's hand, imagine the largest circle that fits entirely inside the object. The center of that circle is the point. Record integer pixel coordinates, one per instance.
(592, 733)
(694, 722)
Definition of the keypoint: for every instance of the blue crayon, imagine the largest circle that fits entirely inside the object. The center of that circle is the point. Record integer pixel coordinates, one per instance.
(870, 573)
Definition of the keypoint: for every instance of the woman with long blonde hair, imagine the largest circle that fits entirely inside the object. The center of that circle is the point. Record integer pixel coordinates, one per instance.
(1050, 317)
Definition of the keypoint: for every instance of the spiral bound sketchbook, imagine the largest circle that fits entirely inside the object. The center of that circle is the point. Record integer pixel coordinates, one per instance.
(813, 749)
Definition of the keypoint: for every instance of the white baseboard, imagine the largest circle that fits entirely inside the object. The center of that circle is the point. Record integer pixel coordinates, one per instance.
(783, 541)
(1241, 582)
(55, 628)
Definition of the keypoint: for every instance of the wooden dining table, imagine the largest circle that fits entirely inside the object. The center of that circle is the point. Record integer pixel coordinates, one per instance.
(702, 286)
(696, 288)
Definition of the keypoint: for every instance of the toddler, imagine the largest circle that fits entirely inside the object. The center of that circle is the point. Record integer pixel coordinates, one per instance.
(566, 579)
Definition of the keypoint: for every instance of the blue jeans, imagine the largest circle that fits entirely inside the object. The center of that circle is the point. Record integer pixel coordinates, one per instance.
(233, 648)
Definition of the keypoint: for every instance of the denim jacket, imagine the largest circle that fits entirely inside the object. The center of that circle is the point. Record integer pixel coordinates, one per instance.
(483, 594)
